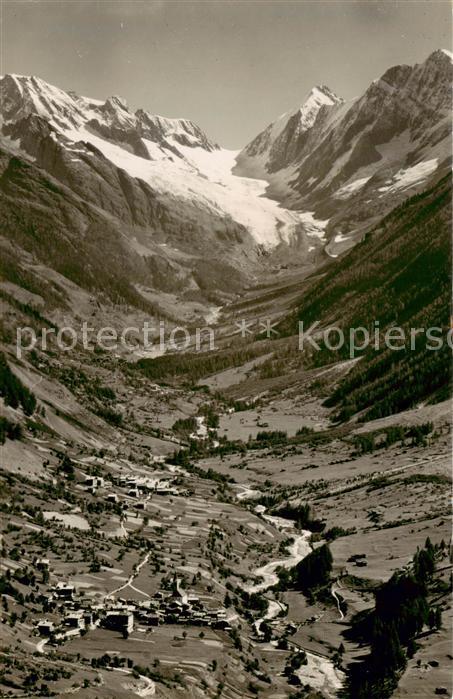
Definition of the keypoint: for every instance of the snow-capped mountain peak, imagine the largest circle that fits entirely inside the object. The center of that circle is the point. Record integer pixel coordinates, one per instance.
(279, 144)
(115, 102)
(76, 138)
(24, 96)
(322, 94)
(329, 162)
(182, 131)
(349, 159)
(319, 96)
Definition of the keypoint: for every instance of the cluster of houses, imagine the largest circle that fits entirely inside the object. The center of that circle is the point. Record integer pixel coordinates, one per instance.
(80, 616)
(136, 487)
(174, 606)
(76, 618)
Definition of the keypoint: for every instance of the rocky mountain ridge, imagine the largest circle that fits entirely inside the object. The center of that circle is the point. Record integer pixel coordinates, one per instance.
(353, 161)
(177, 218)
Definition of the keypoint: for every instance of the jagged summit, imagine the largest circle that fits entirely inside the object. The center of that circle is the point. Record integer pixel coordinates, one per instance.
(24, 96)
(441, 54)
(331, 165)
(279, 144)
(319, 96)
(331, 154)
(117, 102)
(323, 91)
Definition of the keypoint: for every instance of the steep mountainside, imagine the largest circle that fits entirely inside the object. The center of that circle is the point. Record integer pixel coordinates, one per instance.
(57, 237)
(199, 524)
(148, 211)
(399, 276)
(351, 162)
(283, 142)
(130, 205)
(76, 140)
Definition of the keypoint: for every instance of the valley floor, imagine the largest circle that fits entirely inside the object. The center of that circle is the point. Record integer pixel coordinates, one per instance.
(120, 542)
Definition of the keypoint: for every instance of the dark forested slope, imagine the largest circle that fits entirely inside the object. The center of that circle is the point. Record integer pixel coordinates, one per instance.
(400, 275)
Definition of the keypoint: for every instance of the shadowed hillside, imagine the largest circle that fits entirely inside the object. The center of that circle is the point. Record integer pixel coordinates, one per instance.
(400, 276)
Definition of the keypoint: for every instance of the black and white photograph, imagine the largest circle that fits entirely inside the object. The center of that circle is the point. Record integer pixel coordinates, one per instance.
(226, 349)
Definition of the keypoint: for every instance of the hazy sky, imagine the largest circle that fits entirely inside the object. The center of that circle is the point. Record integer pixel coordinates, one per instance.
(231, 66)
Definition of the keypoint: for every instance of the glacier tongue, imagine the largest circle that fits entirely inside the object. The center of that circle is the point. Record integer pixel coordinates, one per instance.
(173, 156)
(205, 177)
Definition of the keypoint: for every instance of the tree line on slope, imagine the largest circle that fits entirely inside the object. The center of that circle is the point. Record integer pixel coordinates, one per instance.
(400, 613)
(400, 276)
(192, 366)
(13, 391)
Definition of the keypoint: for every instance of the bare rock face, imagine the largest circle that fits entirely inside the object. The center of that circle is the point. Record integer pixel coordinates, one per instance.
(69, 151)
(350, 162)
(284, 141)
(162, 196)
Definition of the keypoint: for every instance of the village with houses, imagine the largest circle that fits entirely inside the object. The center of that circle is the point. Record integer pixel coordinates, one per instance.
(162, 560)
(72, 616)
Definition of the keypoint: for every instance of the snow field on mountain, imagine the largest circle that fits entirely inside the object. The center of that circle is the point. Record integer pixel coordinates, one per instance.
(313, 227)
(349, 189)
(205, 177)
(325, 155)
(410, 176)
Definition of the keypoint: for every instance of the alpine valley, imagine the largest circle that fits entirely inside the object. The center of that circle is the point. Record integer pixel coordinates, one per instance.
(253, 519)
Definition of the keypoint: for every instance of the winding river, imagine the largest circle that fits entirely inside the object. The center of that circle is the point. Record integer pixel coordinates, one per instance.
(319, 672)
(297, 551)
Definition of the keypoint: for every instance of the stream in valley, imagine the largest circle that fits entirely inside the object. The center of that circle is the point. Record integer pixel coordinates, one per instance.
(319, 672)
